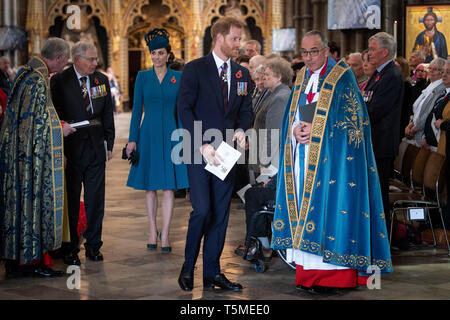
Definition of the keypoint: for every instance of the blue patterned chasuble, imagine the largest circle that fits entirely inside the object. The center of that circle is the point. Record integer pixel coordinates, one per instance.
(340, 214)
(31, 169)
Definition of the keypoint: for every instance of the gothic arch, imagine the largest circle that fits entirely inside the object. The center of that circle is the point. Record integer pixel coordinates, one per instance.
(213, 10)
(249, 10)
(178, 11)
(56, 9)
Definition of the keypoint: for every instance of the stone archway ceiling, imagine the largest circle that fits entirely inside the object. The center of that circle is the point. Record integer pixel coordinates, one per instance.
(90, 9)
(249, 9)
(177, 13)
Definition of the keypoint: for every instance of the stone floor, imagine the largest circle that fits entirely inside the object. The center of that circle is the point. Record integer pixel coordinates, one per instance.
(131, 272)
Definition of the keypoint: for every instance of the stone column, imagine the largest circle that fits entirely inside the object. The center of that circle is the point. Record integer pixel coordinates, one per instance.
(302, 20)
(7, 14)
(124, 78)
(289, 14)
(316, 16)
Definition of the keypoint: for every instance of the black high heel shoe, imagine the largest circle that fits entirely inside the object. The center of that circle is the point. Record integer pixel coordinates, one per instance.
(165, 249)
(151, 246)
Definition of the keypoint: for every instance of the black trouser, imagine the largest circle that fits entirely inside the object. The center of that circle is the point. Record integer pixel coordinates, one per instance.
(385, 167)
(255, 199)
(89, 172)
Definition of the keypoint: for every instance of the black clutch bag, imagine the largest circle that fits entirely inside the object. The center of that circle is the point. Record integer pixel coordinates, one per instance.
(134, 156)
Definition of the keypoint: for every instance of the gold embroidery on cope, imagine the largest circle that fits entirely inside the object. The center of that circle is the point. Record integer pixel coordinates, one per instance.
(354, 124)
(317, 132)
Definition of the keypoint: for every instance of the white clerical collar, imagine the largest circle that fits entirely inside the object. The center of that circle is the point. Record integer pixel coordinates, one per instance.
(313, 83)
(220, 62)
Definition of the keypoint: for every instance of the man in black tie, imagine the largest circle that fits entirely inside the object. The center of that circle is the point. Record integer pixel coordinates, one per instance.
(80, 93)
(384, 98)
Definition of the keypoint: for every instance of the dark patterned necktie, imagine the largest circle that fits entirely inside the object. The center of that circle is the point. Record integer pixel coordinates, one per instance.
(224, 84)
(85, 93)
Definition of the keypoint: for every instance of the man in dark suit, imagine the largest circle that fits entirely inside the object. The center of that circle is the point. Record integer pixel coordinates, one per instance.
(80, 93)
(215, 92)
(384, 99)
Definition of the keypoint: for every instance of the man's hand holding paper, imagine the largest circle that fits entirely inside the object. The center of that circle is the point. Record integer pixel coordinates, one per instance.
(220, 161)
(209, 154)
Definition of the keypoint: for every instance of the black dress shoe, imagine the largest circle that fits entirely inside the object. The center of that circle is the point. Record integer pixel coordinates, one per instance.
(40, 271)
(94, 255)
(186, 279)
(222, 282)
(72, 259)
(12, 269)
(317, 290)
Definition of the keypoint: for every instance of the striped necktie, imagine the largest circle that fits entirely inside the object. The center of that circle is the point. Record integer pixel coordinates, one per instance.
(224, 84)
(85, 93)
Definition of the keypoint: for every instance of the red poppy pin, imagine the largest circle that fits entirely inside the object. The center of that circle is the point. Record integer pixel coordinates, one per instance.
(173, 80)
(377, 78)
(239, 74)
(96, 81)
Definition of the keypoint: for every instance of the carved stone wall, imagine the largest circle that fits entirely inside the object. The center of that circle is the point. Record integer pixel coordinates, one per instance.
(126, 21)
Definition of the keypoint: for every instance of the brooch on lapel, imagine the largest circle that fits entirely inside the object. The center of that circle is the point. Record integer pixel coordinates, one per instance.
(96, 81)
(239, 74)
(377, 78)
(173, 80)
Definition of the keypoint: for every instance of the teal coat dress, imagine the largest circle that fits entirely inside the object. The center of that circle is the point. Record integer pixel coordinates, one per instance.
(155, 169)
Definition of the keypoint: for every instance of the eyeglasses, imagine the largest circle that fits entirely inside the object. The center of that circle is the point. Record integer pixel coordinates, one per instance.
(435, 69)
(91, 60)
(420, 70)
(313, 52)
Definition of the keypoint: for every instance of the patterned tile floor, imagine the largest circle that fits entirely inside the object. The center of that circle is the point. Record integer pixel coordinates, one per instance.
(131, 272)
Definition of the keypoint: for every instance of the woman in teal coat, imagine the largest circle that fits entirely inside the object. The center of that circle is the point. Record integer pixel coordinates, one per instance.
(155, 95)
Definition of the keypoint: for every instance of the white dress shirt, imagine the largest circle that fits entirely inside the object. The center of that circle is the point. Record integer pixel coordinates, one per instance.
(219, 63)
(88, 85)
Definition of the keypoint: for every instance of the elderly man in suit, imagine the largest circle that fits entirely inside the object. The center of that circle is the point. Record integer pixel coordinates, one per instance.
(80, 93)
(215, 92)
(384, 99)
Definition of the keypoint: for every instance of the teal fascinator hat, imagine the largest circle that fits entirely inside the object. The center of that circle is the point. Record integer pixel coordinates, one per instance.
(157, 39)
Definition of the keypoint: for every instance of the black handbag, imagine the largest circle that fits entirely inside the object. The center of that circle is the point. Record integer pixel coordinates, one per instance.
(134, 156)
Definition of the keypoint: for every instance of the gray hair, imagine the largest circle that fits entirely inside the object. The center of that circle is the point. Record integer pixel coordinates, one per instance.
(355, 54)
(385, 40)
(281, 68)
(420, 54)
(258, 59)
(317, 33)
(4, 58)
(79, 49)
(54, 47)
(256, 43)
(439, 62)
(259, 69)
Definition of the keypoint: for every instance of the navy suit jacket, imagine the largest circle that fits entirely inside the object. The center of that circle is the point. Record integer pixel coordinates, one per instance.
(200, 98)
(69, 104)
(386, 91)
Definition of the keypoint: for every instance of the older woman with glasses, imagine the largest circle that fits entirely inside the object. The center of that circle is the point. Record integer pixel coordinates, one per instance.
(425, 102)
